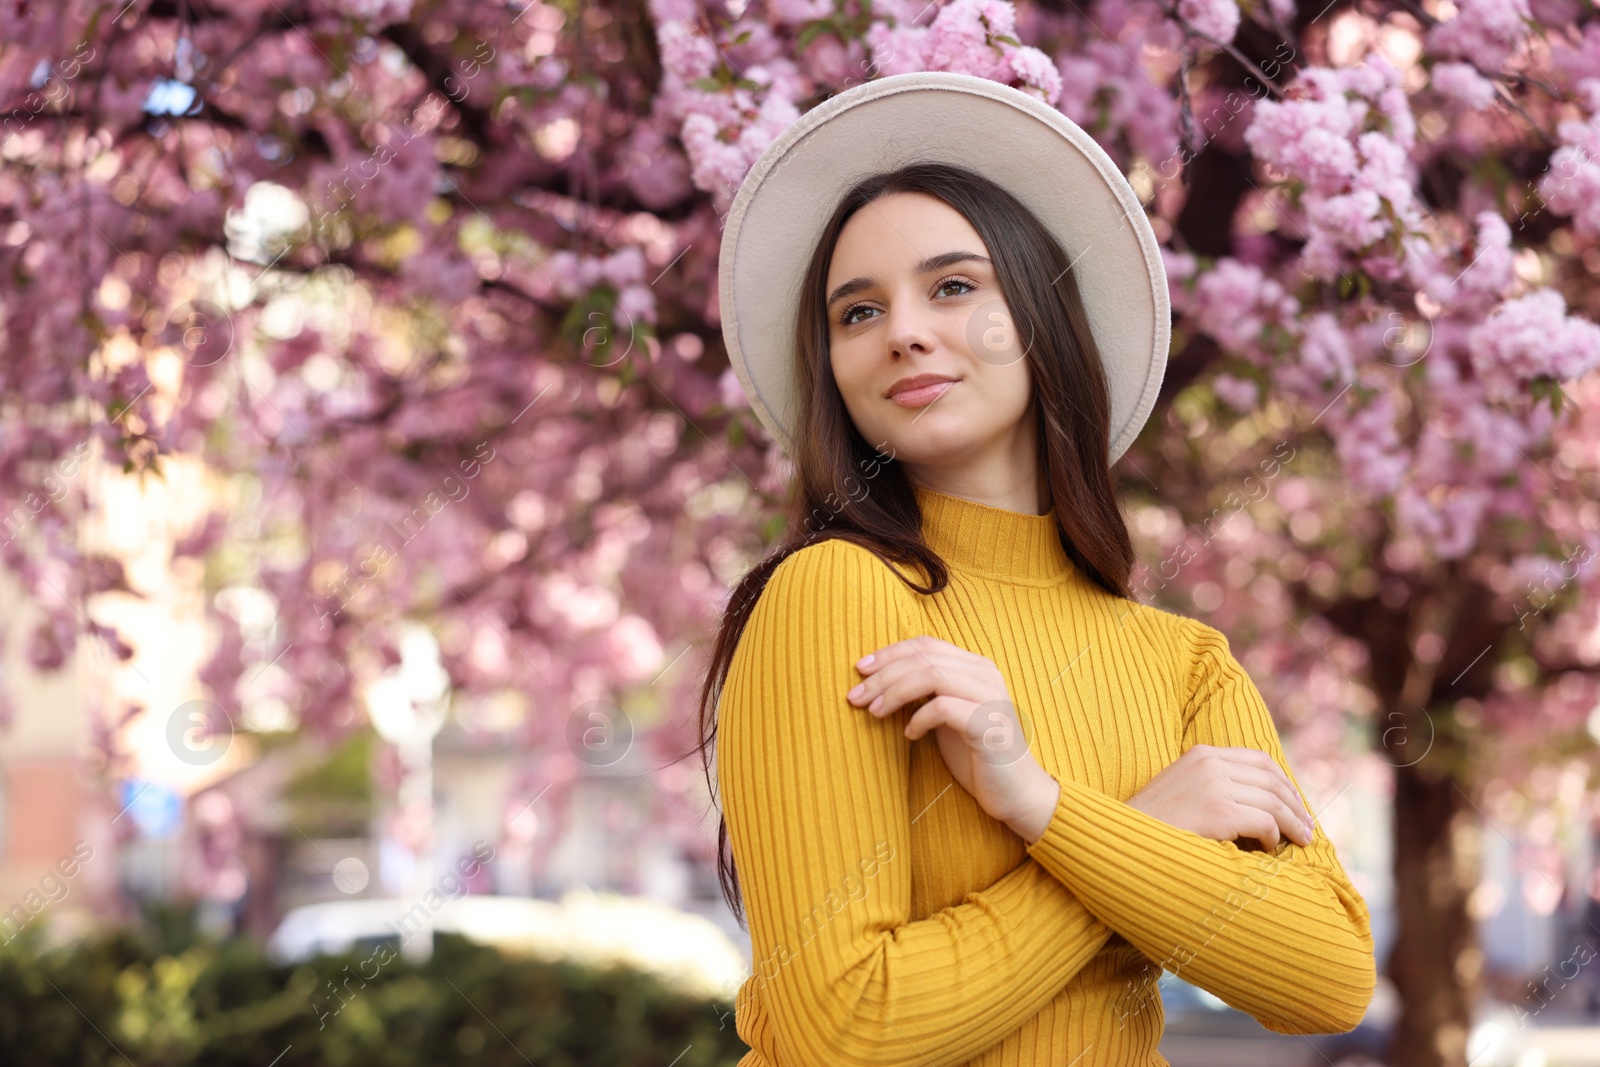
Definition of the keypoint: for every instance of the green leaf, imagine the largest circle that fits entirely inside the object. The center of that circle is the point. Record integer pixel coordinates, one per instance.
(772, 528)
(809, 31)
(589, 326)
(1545, 387)
(742, 38)
(1006, 38)
(709, 85)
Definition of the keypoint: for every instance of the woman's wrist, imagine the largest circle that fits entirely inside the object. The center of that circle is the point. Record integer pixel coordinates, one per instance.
(1031, 823)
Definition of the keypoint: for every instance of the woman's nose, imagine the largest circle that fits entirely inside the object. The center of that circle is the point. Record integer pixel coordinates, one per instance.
(907, 330)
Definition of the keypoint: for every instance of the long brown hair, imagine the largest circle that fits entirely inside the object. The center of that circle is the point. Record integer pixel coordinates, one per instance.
(1070, 398)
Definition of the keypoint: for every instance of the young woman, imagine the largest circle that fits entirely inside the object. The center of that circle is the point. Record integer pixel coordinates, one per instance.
(978, 796)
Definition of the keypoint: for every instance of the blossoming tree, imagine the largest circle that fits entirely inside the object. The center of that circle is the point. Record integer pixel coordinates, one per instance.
(433, 285)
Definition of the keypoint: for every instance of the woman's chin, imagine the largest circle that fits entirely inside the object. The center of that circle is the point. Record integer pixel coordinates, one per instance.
(933, 451)
(930, 436)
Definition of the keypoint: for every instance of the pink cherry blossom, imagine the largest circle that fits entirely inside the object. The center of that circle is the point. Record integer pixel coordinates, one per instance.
(1483, 32)
(1218, 19)
(1241, 394)
(1036, 71)
(959, 39)
(898, 48)
(1530, 337)
(1571, 184)
(1463, 85)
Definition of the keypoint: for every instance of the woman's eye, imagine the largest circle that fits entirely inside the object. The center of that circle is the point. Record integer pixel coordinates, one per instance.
(845, 319)
(948, 282)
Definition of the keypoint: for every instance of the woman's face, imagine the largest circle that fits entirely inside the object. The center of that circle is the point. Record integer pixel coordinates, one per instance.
(913, 299)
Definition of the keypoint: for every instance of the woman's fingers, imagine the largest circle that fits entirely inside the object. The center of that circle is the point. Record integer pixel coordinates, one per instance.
(1224, 793)
(935, 712)
(906, 678)
(1273, 780)
(1257, 768)
(992, 728)
(1265, 817)
(919, 647)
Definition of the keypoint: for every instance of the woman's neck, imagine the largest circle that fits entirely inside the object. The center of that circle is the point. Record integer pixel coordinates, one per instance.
(1009, 486)
(1003, 471)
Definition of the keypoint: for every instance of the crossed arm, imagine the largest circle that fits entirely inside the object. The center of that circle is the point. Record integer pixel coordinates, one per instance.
(1283, 936)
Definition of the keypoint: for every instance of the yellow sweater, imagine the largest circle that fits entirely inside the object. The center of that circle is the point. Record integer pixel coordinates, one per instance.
(894, 922)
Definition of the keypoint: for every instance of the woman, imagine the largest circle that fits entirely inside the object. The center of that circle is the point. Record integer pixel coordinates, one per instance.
(976, 795)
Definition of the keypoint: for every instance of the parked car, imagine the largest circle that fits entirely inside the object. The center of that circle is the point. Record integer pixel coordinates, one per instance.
(1203, 1031)
(687, 950)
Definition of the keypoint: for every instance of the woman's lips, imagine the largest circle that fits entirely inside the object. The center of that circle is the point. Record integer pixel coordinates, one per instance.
(921, 396)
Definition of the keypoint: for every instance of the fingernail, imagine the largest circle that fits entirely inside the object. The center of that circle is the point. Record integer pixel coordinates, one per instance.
(865, 661)
(856, 692)
(1311, 830)
(877, 702)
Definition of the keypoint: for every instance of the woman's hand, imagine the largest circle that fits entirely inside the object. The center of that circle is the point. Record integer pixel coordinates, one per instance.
(979, 733)
(1227, 793)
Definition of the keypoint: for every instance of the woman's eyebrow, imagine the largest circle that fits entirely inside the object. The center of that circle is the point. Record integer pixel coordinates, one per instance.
(927, 266)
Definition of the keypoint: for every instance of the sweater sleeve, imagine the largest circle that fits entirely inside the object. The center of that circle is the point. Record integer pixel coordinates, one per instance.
(1281, 935)
(814, 790)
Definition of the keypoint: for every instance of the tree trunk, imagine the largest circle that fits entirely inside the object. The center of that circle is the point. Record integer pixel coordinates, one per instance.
(1435, 962)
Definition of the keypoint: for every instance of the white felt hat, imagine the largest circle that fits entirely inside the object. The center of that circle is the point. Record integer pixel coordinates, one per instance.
(1030, 149)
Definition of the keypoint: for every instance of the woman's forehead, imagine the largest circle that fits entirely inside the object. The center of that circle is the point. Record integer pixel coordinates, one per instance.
(900, 232)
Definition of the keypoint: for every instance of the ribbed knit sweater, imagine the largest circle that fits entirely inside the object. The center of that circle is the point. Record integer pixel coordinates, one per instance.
(894, 922)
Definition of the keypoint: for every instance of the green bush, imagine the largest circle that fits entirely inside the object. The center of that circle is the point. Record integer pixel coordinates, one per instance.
(157, 996)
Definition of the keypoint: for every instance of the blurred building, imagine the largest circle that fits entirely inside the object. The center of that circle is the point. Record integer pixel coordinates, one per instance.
(57, 858)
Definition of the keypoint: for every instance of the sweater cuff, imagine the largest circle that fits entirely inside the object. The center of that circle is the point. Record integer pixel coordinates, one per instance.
(1080, 829)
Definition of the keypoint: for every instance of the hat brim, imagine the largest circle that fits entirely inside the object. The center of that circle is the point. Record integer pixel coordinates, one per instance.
(1033, 151)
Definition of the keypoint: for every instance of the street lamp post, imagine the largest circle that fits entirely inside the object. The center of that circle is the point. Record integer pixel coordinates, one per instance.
(407, 707)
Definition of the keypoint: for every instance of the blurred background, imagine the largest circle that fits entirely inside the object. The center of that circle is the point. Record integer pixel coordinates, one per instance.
(372, 478)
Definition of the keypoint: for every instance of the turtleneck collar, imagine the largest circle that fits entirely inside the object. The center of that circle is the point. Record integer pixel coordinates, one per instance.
(993, 542)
